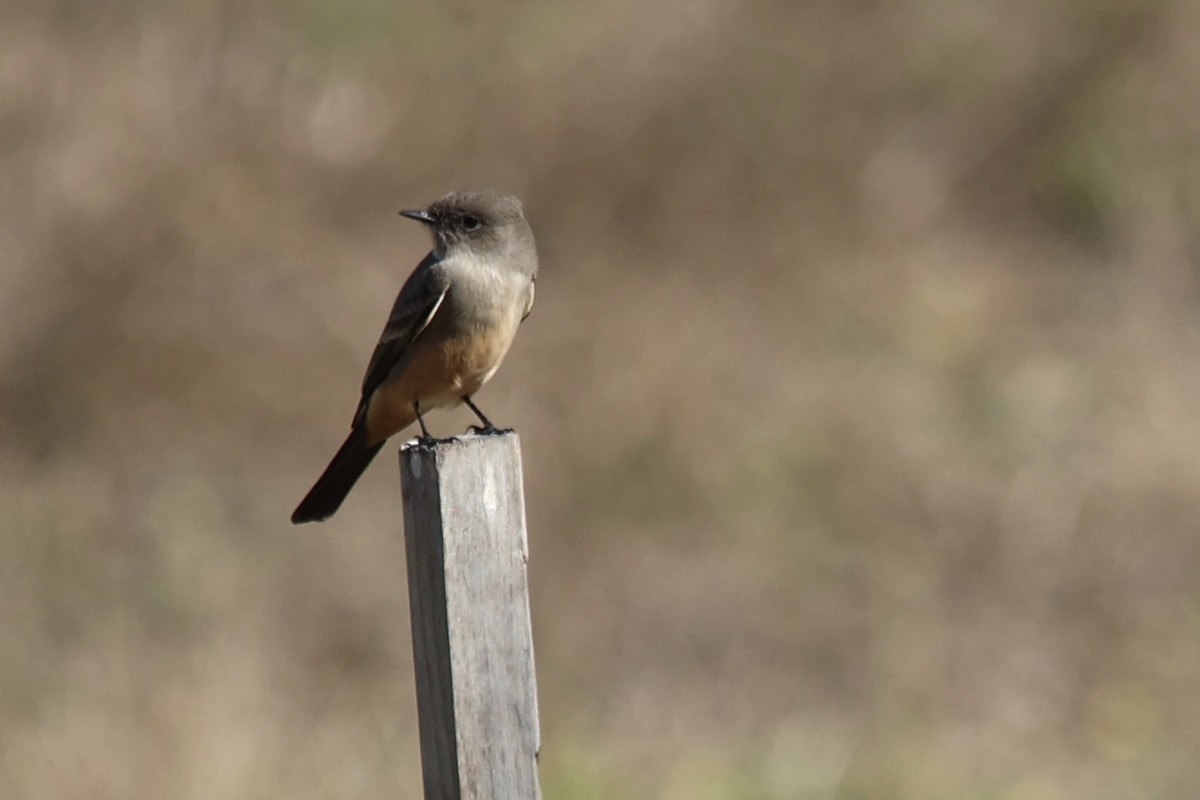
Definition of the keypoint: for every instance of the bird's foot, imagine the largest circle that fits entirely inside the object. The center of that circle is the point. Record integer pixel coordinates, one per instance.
(487, 430)
(429, 443)
(426, 441)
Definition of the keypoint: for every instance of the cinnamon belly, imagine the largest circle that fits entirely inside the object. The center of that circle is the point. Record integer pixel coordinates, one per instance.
(437, 374)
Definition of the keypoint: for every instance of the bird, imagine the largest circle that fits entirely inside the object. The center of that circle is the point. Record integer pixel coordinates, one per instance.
(449, 329)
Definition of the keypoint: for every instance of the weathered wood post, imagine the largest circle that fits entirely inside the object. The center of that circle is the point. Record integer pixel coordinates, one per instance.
(464, 531)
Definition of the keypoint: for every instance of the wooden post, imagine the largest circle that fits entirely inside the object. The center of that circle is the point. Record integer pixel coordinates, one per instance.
(464, 530)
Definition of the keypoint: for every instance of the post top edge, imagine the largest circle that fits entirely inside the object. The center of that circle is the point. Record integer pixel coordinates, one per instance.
(419, 445)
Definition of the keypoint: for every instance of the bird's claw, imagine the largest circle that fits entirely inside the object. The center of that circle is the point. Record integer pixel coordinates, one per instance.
(427, 442)
(488, 430)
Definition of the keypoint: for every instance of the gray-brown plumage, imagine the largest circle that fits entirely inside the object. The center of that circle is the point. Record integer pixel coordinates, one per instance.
(450, 327)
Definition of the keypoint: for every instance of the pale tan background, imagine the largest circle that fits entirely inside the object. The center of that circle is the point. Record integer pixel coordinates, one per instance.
(860, 406)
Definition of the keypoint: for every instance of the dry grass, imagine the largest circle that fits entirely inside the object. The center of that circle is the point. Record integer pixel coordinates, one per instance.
(859, 405)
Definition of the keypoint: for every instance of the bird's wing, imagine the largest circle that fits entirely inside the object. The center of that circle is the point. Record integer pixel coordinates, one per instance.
(415, 306)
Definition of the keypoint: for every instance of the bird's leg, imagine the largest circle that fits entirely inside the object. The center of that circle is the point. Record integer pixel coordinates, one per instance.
(425, 437)
(488, 428)
(487, 423)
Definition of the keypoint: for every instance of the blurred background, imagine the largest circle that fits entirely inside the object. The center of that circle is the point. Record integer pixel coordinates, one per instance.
(858, 407)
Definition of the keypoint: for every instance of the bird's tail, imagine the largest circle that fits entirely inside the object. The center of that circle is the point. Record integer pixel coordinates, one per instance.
(339, 477)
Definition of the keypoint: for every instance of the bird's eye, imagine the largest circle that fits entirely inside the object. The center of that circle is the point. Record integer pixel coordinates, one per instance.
(470, 223)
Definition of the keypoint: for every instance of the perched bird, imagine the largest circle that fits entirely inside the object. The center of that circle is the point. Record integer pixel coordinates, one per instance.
(450, 327)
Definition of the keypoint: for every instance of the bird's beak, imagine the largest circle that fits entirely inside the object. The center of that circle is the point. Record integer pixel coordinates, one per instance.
(419, 216)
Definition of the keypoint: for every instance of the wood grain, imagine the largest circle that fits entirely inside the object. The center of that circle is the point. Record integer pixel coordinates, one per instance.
(464, 522)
